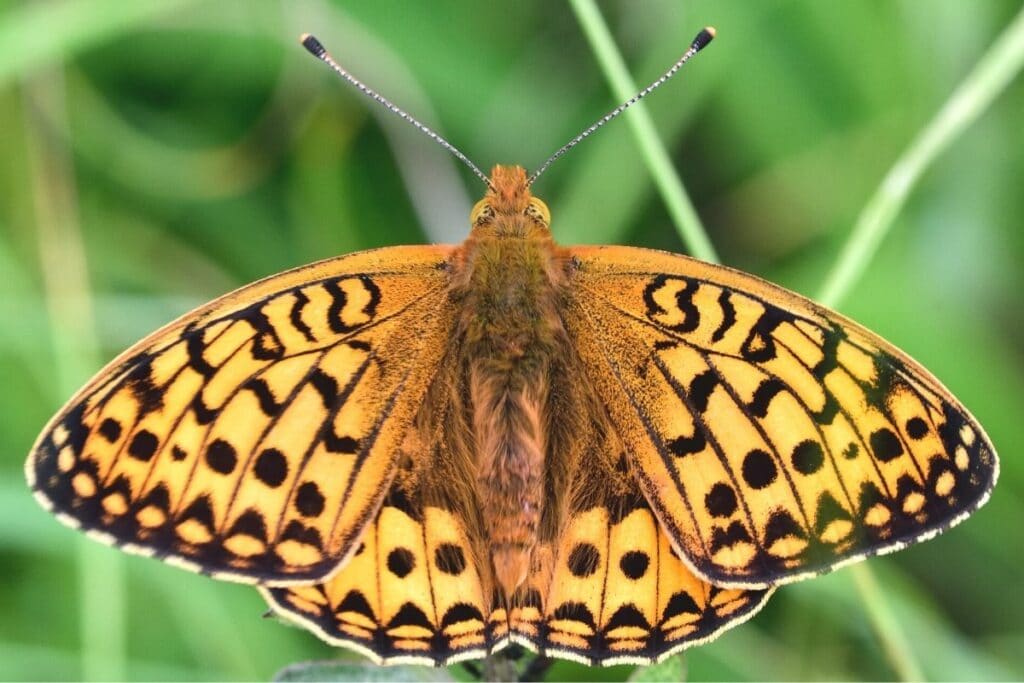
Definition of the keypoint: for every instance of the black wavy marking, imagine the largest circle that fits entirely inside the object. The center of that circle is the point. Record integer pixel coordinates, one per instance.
(684, 300)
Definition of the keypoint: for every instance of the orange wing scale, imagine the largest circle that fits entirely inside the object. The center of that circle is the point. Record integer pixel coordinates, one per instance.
(773, 438)
(253, 439)
(612, 592)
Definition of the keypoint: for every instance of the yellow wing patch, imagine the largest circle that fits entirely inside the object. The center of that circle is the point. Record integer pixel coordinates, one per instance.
(255, 437)
(773, 438)
(615, 592)
(412, 593)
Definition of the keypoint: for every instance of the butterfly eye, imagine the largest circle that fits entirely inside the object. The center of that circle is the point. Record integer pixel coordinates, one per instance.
(539, 211)
(481, 213)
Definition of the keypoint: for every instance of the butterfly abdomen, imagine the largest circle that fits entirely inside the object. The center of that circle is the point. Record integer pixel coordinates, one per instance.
(510, 444)
(507, 284)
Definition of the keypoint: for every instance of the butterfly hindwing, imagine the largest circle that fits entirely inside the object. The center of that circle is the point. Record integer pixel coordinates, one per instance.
(614, 591)
(412, 593)
(255, 437)
(773, 438)
(607, 588)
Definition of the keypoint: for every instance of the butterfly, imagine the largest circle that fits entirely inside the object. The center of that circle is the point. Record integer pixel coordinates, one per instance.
(426, 453)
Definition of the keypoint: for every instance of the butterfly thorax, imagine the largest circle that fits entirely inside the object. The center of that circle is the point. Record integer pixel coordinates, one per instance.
(509, 278)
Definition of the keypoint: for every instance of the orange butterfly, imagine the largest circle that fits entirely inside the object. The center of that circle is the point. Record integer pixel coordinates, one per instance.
(425, 453)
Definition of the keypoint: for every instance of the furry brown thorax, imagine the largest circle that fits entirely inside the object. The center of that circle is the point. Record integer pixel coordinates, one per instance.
(510, 279)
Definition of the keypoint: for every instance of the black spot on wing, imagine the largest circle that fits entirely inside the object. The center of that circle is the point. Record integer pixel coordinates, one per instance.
(221, 456)
(584, 559)
(721, 500)
(808, 457)
(634, 564)
(110, 429)
(917, 428)
(885, 444)
(309, 502)
(450, 559)
(401, 562)
(759, 470)
(143, 445)
(271, 467)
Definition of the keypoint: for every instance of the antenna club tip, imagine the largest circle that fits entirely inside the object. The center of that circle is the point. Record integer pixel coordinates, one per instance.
(310, 42)
(705, 36)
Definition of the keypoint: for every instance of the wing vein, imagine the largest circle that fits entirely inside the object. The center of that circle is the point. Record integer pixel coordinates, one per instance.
(655, 438)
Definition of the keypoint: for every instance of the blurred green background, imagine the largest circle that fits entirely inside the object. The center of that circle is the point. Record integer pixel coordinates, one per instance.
(154, 155)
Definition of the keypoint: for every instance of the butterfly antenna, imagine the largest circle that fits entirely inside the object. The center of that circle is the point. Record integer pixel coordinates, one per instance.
(320, 52)
(699, 43)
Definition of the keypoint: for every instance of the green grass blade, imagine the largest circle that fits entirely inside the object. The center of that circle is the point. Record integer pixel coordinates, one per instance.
(100, 570)
(888, 628)
(38, 33)
(975, 93)
(655, 155)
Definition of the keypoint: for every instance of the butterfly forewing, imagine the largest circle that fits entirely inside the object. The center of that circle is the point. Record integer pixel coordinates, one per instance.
(772, 437)
(256, 436)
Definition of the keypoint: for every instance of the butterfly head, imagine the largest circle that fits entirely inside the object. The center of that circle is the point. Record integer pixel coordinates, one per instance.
(508, 204)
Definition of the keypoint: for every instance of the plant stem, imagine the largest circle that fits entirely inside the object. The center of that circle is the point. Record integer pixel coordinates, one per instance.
(975, 93)
(887, 627)
(655, 155)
